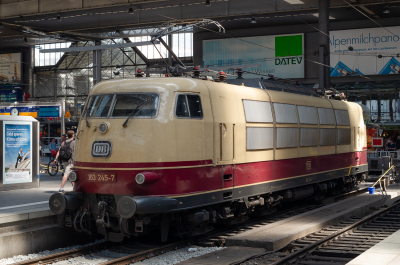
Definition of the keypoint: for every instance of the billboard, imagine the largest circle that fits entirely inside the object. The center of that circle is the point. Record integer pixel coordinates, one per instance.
(17, 146)
(278, 55)
(10, 68)
(376, 51)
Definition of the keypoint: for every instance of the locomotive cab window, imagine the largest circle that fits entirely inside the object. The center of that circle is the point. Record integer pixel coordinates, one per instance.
(98, 105)
(188, 106)
(144, 105)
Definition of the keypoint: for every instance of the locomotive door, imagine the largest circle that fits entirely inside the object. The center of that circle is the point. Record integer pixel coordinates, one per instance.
(226, 141)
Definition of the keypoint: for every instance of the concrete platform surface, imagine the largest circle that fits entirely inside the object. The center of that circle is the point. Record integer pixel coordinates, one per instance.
(386, 252)
(279, 234)
(225, 256)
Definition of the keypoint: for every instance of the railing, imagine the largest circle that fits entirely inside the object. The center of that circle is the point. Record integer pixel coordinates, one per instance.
(377, 154)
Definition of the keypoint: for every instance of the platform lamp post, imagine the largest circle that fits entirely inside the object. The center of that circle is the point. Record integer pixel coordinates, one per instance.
(324, 53)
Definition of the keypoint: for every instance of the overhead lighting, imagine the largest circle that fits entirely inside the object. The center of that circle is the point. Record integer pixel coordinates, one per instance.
(253, 20)
(317, 15)
(294, 2)
(386, 10)
(130, 11)
(208, 3)
(25, 39)
(58, 18)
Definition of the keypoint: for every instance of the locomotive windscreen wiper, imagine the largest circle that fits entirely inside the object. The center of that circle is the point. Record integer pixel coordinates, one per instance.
(133, 111)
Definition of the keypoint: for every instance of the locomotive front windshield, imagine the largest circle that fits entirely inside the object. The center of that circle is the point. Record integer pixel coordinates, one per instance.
(123, 105)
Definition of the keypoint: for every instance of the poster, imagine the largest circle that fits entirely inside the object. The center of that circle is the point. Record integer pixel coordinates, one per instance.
(10, 68)
(17, 146)
(376, 51)
(279, 55)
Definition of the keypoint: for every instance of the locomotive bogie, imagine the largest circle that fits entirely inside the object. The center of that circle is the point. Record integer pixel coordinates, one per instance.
(186, 154)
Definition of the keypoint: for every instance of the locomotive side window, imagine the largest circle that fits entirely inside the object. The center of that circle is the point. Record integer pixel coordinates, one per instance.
(98, 106)
(307, 115)
(285, 113)
(257, 111)
(135, 105)
(287, 137)
(342, 117)
(326, 116)
(308, 137)
(259, 138)
(188, 106)
(344, 136)
(327, 137)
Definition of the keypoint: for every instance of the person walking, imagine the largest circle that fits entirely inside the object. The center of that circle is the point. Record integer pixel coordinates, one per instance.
(66, 156)
(19, 157)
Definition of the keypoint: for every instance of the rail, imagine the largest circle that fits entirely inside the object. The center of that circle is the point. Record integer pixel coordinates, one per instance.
(378, 154)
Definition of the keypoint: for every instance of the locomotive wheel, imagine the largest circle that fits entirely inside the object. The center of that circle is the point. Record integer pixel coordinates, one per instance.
(52, 169)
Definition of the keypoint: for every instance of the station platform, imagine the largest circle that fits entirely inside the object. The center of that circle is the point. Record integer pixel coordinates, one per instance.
(386, 252)
(279, 234)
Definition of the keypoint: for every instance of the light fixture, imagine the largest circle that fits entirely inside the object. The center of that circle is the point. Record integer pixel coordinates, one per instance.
(350, 48)
(58, 18)
(130, 11)
(25, 39)
(386, 10)
(253, 20)
(208, 3)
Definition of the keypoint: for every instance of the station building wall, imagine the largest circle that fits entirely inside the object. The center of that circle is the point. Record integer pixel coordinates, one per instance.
(310, 43)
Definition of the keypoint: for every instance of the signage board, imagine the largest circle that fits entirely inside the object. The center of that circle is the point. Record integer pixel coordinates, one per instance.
(17, 147)
(10, 68)
(33, 111)
(279, 55)
(377, 142)
(375, 51)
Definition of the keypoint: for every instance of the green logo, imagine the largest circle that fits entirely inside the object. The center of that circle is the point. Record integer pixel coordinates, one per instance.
(288, 45)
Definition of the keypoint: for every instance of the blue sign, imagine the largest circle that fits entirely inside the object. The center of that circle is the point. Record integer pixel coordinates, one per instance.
(17, 147)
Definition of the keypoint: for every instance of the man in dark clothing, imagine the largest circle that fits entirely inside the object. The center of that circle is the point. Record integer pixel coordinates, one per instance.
(398, 147)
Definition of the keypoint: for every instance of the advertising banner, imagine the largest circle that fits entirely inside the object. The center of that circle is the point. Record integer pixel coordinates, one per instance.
(375, 51)
(278, 55)
(17, 146)
(10, 68)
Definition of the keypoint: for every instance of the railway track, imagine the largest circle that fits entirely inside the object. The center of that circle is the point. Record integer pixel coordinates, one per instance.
(130, 252)
(337, 244)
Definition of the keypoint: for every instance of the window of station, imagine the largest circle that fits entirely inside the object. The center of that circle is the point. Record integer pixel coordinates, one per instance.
(344, 137)
(327, 137)
(287, 137)
(257, 111)
(342, 117)
(307, 115)
(188, 106)
(285, 113)
(308, 137)
(98, 105)
(259, 138)
(326, 116)
(137, 105)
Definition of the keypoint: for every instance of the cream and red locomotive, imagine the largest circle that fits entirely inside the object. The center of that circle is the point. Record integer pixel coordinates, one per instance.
(180, 154)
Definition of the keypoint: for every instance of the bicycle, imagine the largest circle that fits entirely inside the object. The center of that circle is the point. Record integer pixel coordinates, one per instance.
(52, 168)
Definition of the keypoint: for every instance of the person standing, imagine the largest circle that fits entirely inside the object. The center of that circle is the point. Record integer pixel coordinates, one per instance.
(66, 156)
(20, 156)
(63, 138)
(398, 146)
(53, 145)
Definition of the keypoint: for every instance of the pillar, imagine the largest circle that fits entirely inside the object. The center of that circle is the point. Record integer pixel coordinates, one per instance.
(97, 64)
(324, 59)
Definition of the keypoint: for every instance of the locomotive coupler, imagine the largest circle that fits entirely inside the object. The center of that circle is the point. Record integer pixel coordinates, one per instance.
(102, 214)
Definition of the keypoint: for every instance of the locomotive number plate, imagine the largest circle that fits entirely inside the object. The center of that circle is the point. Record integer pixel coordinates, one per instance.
(102, 177)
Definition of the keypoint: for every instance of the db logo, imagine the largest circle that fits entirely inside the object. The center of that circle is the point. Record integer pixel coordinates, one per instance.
(101, 149)
(308, 165)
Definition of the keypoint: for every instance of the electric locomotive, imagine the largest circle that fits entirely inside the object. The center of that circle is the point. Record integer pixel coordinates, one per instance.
(178, 155)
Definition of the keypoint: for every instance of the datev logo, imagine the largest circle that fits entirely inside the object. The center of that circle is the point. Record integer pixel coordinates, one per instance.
(101, 149)
(290, 47)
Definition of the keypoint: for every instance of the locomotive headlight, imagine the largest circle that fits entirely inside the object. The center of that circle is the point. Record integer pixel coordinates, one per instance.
(72, 176)
(140, 178)
(103, 127)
